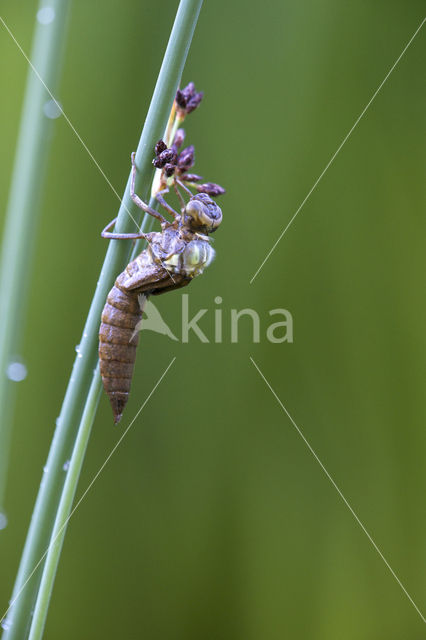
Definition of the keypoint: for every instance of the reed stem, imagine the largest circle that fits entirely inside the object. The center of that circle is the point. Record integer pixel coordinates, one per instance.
(76, 397)
(73, 471)
(23, 209)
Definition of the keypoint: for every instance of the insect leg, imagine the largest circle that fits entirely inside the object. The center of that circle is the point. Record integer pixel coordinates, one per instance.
(122, 236)
(179, 195)
(184, 187)
(140, 203)
(165, 205)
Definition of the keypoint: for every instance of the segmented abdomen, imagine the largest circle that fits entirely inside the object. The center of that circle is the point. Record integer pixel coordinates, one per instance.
(117, 347)
(117, 336)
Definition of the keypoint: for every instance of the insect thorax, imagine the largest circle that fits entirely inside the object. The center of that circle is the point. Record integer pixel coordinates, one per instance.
(196, 256)
(189, 258)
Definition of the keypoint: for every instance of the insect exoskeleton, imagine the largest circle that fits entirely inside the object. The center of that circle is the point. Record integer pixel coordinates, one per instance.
(172, 259)
(195, 257)
(202, 212)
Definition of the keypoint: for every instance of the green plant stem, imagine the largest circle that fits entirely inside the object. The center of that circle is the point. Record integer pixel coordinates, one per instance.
(64, 509)
(22, 214)
(44, 514)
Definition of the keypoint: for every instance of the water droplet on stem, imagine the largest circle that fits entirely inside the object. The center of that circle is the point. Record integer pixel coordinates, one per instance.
(16, 371)
(3, 520)
(46, 15)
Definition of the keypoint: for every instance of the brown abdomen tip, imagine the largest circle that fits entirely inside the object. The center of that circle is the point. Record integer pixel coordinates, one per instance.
(117, 347)
(118, 401)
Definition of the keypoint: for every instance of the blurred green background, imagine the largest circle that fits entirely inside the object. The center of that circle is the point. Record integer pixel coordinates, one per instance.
(213, 519)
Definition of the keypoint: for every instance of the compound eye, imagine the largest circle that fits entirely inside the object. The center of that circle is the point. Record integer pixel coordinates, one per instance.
(203, 213)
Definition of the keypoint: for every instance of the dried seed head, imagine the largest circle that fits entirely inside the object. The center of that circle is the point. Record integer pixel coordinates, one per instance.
(184, 95)
(191, 177)
(170, 160)
(211, 189)
(194, 102)
(180, 99)
(188, 99)
(179, 138)
(168, 156)
(169, 169)
(159, 147)
(189, 90)
(186, 158)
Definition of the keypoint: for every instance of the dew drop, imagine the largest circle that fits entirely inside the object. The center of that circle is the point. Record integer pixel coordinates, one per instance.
(45, 469)
(5, 624)
(46, 15)
(3, 520)
(52, 109)
(16, 371)
(66, 465)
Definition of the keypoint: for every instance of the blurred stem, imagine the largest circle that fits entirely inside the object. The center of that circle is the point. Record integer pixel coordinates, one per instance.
(45, 510)
(64, 509)
(22, 214)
